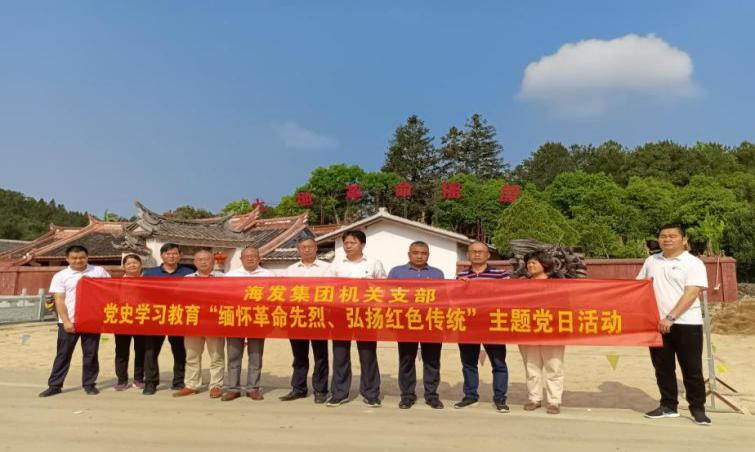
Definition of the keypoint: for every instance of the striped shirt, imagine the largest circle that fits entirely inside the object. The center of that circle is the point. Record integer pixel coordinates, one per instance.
(488, 273)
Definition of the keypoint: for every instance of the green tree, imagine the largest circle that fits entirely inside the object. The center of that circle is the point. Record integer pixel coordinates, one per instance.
(663, 160)
(709, 231)
(530, 218)
(453, 158)
(25, 218)
(411, 155)
(473, 151)
(328, 189)
(188, 213)
(704, 196)
(550, 160)
(739, 241)
(609, 158)
(597, 195)
(655, 200)
(238, 207)
(477, 212)
(741, 183)
(745, 154)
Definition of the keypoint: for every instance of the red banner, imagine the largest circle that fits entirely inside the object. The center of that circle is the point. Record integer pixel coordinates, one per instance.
(574, 312)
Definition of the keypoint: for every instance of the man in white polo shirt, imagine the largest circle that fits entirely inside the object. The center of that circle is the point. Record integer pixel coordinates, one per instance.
(63, 288)
(355, 265)
(678, 278)
(250, 261)
(309, 266)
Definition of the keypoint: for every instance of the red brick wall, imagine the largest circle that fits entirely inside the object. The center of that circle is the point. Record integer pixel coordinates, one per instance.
(722, 273)
(14, 279)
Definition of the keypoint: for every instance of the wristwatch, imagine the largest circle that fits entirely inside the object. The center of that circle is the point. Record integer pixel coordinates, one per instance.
(671, 318)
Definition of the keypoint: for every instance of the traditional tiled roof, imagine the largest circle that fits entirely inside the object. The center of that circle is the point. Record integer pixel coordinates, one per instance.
(98, 237)
(231, 231)
(6, 244)
(325, 229)
(275, 237)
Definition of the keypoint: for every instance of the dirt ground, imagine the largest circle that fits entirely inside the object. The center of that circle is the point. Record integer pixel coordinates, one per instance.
(602, 407)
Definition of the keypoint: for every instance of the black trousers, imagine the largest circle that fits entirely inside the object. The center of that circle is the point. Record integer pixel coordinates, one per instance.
(300, 349)
(369, 381)
(407, 369)
(122, 352)
(152, 346)
(685, 343)
(90, 346)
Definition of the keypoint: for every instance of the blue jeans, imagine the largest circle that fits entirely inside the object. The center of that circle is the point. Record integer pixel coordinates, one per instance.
(497, 355)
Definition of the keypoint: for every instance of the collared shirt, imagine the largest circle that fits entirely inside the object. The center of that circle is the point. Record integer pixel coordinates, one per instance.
(409, 271)
(258, 272)
(670, 278)
(365, 267)
(316, 268)
(488, 273)
(65, 282)
(197, 275)
(181, 270)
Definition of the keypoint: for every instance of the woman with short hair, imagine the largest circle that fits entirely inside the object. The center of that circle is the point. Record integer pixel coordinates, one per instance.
(132, 266)
(543, 364)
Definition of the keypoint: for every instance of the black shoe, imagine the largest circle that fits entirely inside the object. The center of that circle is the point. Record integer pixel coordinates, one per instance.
(406, 403)
(178, 386)
(500, 406)
(292, 396)
(149, 389)
(91, 390)
(699, 417)
(372, 403)
(50, 392)
(435, 404)
(335, 401)
(465, 402)
(321, 397)
(661, 412)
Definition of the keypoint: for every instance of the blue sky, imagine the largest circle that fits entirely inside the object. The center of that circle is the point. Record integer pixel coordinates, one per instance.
(202, 103)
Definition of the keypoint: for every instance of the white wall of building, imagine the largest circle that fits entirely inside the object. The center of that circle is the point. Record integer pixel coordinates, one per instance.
(389, 242)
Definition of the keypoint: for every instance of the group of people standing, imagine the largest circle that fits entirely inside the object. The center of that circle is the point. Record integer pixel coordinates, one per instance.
(543, 364)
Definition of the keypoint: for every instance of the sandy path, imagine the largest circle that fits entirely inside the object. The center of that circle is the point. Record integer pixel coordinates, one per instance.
(602, 408)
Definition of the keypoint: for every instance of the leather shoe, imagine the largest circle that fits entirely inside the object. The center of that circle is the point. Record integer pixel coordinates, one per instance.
(406, 403)
(230, 395)
(91, 390)
(435, 404)
(185, 392)
(321, 397)
(292, 396)
(50, 392)
(255, 394)
(215, 392)
(149, 389)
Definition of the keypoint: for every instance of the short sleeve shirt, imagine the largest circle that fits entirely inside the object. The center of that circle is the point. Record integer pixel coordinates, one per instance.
(181, 270)
(488, 273)
(65, 282)
(258, 272)
(365, 268)
(317, 268)
(670, 277)
(197, 275)
(410, 272)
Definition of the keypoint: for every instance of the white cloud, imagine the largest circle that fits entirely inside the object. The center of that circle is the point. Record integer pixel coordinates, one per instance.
(297, 137)
(590, 77)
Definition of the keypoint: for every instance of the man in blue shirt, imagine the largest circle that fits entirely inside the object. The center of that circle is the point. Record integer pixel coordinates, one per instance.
(170, 254)
(417, 268)
(478, 254)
